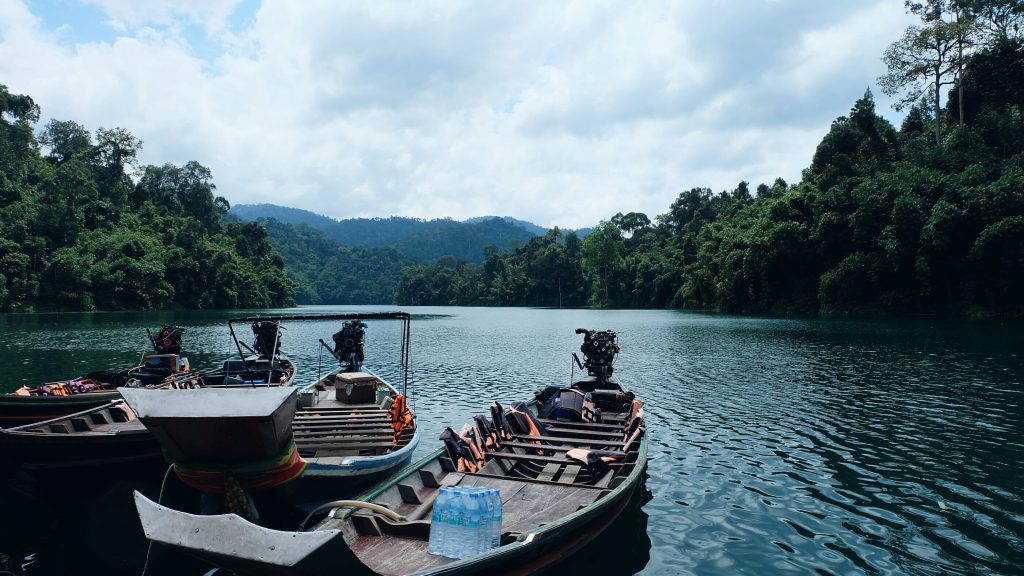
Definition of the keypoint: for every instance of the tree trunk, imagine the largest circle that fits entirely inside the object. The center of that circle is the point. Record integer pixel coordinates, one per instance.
(938, 111)
(961, 89)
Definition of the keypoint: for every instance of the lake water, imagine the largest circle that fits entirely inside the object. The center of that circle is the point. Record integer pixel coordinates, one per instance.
(777, 445)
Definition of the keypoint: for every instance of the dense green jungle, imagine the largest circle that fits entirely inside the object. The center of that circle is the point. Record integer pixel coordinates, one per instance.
(927, 218)
(77, 232)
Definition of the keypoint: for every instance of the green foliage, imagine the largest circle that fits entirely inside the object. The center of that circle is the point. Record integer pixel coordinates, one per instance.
(547, 271)
(884, 222)
(421, 241)
(326, 272)
(77, 234)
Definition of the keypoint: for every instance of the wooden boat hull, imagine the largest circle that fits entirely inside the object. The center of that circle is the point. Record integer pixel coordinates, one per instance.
(17, 410)
(250, 549)
(564, 465)
(217, 425)
(20, 410)
(361, 468)
(76, 440)
(260, 373)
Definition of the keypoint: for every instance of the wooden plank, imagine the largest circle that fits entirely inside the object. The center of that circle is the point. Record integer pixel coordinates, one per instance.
(330, 422)
(591, 425)
(551, 448)
(343, 438)
(343, 434)
(569, 474)
(352, 423)
(532, 446)
(347, 446)
(333, 405)
(340, 442)
(526, 505)
(568, 440)
(533, 458)
(549, 471)
(336, 420)
(330, 418)
(342, 429)
(585, 432)
(352, 415)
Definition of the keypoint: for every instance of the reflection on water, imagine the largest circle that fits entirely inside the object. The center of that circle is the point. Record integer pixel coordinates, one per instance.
(777, 445)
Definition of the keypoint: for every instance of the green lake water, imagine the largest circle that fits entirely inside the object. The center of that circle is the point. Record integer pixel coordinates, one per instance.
(778, 446)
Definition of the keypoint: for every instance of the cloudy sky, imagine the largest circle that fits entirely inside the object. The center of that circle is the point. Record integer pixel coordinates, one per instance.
(560, 113)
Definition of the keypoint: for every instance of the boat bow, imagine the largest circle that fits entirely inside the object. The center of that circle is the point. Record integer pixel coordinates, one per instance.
(228, 541)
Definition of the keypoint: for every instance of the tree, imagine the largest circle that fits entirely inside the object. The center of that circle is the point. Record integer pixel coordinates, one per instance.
(926, 58)
(65, 139)
(996, 19)
(630, 223)
(602, 257)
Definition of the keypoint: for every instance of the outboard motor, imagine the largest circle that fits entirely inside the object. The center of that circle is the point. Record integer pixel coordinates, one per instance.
(168, 340)
(268, 337)
(348, 343)
(599, 349)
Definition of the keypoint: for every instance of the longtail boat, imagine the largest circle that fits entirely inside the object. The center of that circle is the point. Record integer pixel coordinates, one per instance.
(261, 364)
(352, 424)
(110, 433)
(565, 464)
(343, 431)
(60, 398)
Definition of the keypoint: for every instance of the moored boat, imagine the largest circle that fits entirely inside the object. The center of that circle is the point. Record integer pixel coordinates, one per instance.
(101, 435)
(565, 464)
(353, 424)
(259, 365)
(61, 398)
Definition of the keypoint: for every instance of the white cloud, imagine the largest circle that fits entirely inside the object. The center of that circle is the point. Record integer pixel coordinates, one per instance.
(562, 114)
(126, 15)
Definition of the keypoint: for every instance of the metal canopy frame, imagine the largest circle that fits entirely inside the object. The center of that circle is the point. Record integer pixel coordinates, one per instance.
(404, 317)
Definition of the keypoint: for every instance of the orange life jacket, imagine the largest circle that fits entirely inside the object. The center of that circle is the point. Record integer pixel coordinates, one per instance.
(458, 450)
(469, 436)
(401, 417)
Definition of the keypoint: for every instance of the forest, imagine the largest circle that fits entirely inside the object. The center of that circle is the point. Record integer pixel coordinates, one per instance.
(927, 218)
(924, 218)
(77, 232)
(417, 239)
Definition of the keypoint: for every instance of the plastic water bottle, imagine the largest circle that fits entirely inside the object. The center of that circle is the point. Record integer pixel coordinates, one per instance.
(456, 537)
(487, 522)
(439, 523)
(477, 521)
(495, 497)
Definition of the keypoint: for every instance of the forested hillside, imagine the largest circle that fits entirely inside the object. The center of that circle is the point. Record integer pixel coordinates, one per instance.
(419, 240)
(283, 214)
(927, 218)
(76, 233)
(326, 272)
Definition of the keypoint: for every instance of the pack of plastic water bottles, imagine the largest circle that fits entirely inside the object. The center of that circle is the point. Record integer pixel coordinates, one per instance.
(466, 521)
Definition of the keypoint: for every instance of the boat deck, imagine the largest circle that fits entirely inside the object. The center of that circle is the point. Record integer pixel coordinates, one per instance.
(334, 427)
(535, 490)
(526, 505)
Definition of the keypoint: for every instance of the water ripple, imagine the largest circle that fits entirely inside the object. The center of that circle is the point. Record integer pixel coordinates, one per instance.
(778, 446)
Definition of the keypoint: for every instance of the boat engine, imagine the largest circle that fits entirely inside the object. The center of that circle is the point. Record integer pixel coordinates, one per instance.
(268, 337)
(168, 339)
(599, 349)
(349, 340)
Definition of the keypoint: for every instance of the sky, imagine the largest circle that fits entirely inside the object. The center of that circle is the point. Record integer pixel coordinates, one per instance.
(559, 113)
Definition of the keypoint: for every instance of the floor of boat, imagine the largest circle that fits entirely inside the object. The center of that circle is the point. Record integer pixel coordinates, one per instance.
(526, 505)
(334, 428)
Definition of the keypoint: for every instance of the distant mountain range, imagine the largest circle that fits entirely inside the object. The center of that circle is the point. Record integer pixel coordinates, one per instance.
(421, 241)
(361, 260)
